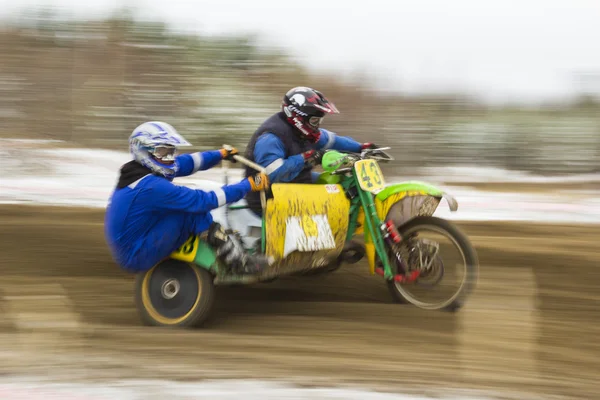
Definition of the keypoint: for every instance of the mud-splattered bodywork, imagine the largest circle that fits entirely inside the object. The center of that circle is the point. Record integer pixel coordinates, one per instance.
(306, 225)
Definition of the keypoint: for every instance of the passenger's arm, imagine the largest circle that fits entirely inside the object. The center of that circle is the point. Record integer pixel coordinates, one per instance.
(168, 196)
(191, 163)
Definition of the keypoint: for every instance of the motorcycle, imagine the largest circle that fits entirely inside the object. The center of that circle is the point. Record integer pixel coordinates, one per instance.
(309, 229)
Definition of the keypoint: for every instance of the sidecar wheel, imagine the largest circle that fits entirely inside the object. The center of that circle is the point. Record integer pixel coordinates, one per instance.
(174, 293)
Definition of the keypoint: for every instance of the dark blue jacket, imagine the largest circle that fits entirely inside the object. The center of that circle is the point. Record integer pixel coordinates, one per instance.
(278, 147)
(270, 153)
(148, 217)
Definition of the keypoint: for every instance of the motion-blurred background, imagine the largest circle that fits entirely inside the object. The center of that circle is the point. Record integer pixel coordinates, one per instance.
(513, 85)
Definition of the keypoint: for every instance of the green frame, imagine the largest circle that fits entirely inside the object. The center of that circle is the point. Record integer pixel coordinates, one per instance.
(372, 222)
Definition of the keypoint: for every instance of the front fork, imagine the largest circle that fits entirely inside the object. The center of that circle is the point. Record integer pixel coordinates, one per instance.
(393, 239)
(385, 235)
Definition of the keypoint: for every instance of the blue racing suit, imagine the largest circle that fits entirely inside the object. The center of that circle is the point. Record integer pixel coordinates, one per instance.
(148, 217)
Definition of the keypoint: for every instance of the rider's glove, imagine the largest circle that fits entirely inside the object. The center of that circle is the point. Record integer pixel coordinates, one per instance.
(227, 153)
(312, 157)
(259, 182)
(366, 146)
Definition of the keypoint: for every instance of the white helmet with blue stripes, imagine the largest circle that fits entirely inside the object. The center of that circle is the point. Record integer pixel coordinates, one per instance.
(154, 145)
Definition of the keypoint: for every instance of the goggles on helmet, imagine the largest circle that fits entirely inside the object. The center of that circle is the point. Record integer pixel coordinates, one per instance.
(315, 121)
(164, 153)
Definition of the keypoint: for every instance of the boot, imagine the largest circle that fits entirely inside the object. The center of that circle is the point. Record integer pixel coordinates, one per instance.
(230, 250)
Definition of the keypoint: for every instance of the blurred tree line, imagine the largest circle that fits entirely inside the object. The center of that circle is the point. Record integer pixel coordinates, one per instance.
(91, 82)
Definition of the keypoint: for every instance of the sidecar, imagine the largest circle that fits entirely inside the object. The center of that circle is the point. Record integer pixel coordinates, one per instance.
(306, 227)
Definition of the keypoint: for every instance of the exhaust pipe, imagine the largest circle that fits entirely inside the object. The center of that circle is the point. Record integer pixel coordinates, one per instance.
(352, 253)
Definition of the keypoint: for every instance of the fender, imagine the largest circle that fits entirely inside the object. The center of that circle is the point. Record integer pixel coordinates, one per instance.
(385, 199)
(414, 188)
(195, 250)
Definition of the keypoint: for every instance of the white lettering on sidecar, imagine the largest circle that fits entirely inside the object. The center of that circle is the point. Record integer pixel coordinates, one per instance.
(308, 233)
(332, 188)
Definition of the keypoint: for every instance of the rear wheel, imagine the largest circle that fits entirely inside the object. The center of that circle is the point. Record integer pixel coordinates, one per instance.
(439, 286)
(174, 293)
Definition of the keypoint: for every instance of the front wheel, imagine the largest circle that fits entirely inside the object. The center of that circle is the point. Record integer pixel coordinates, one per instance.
(174, 293)
(434, 289)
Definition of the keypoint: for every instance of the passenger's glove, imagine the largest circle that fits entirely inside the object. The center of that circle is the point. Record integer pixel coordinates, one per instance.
(227, 153)
(312, 157)
(259, 182)
(366, 146)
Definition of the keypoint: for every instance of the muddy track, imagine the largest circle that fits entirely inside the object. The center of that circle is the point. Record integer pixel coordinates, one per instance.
(532, 326)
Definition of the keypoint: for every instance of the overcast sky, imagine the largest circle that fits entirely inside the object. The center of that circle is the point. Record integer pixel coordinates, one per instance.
(503, 49)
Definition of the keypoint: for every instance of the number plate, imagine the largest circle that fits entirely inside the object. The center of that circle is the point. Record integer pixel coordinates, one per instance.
(187, 252)
(369, 175)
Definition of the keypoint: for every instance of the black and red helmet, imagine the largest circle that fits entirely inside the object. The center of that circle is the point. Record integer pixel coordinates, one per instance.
(305, 109)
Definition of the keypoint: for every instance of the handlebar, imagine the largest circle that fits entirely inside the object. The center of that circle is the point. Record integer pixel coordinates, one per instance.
(374, 154)
(349, 159)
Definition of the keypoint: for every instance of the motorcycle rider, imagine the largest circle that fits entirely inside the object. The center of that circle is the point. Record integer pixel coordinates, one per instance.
(148, 217)
(290, 143)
